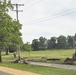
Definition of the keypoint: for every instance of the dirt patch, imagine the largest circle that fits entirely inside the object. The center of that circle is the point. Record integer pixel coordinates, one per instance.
(15, 71)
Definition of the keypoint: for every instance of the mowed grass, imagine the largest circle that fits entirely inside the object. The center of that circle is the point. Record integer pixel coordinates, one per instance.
(39, 70)
(61, 54)
(50, 53)
(37, 55)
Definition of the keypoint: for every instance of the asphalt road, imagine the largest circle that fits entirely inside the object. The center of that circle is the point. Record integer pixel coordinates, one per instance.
(3, 73)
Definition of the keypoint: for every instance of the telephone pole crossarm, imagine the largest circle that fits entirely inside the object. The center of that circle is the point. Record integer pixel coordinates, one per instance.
(17, 5)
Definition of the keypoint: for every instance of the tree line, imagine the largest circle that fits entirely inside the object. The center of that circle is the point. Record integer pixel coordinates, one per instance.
(61, 42)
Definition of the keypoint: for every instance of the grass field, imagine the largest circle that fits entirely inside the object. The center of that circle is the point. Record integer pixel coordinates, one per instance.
(36, 55)
(50, 53)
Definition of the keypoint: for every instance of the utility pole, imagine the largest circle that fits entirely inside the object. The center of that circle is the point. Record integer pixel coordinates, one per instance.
(17, 11)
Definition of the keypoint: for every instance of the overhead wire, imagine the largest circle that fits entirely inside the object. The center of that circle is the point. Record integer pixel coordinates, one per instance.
(52, 17)
(48, 17)
(27, 2)
(30, 3)
(34, 3)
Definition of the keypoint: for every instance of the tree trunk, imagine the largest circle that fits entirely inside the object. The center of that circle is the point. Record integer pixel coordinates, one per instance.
(6, 51)
(0, 57)
(18, 50)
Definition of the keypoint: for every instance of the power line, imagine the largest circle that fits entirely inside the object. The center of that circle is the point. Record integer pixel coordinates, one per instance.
(27, 2)
(52, 17)
(23, 5)
(30, 3)
(34, 3)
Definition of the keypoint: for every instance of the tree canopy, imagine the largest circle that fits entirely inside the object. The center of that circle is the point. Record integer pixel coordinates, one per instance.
(61, 42)
(9, 28)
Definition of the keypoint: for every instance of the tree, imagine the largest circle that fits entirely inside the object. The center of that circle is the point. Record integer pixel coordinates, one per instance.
(15, 35)
(35, 44)
(62, 42)
(12, 48)
(74, 41)
(70, 41)
(4, 6)
(27, 47)
(42, 43)
(52, 43)
(9, 28)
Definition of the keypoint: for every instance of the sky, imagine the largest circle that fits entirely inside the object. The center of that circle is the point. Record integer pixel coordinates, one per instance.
(46, 18)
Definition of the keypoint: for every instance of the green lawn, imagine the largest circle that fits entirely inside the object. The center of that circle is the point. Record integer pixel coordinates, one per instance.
(50, 53)
(40, 70)
(36, 55)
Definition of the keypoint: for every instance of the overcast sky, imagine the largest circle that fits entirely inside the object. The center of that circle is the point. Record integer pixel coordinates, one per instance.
(46, 18)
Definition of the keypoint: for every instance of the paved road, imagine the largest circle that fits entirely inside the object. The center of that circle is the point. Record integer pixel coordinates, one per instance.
(3, 73)
(72, 67)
